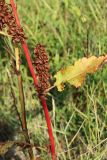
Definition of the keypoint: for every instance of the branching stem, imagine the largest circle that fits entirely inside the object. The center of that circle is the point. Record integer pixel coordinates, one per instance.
(42, 98)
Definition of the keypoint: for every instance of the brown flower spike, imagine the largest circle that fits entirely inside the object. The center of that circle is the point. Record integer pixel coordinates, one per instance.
(3, 10)
(42, 67)
(7, 19)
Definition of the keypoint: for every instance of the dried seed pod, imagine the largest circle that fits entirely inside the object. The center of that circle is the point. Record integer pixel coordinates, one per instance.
(42, 67)
(2, 14)
(7, 19)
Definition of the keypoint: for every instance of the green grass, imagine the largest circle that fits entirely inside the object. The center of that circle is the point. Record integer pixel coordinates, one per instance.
(69, 29)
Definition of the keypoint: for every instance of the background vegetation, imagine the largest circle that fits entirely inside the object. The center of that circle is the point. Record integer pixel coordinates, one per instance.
(69, 29)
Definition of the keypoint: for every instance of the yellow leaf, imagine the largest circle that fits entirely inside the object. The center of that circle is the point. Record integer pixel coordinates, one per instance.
(75, 74)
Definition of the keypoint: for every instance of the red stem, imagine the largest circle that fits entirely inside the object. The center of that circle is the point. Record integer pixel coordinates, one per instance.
(48, 120)
(27, 54)
(42, 99)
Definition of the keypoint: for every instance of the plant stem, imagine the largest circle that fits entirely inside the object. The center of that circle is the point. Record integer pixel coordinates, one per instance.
(48, 120)
(22, 102)
(14, 98)
(24, 46)
(42, 99)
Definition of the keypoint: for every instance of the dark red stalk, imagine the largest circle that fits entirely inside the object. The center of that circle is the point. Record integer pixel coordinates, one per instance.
(42, 98)
(48, 120)
(27, 54)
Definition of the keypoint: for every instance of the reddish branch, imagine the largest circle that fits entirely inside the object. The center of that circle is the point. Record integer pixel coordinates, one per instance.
(42, 98)
(48, 120)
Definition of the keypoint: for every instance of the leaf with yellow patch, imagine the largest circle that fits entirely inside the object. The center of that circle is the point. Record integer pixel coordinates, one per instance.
(76, 74)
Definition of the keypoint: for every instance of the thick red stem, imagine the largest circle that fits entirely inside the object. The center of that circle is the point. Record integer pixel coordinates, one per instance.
(48, 120)
(42, 99)
(27, 54)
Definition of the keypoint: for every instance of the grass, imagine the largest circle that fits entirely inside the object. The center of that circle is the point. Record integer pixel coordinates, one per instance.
(70, 30)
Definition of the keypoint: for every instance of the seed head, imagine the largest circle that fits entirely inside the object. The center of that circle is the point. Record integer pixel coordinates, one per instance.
(42, 67)
(7, 19)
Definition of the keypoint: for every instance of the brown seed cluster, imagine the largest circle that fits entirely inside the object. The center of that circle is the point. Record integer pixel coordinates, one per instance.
(2, 12)
(42, 67)
(7, 19)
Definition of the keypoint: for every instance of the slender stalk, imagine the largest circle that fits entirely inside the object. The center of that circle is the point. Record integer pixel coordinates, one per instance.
(24, 46)
(42, 99)
(14, 98)
(48, 120)
(22, 102)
